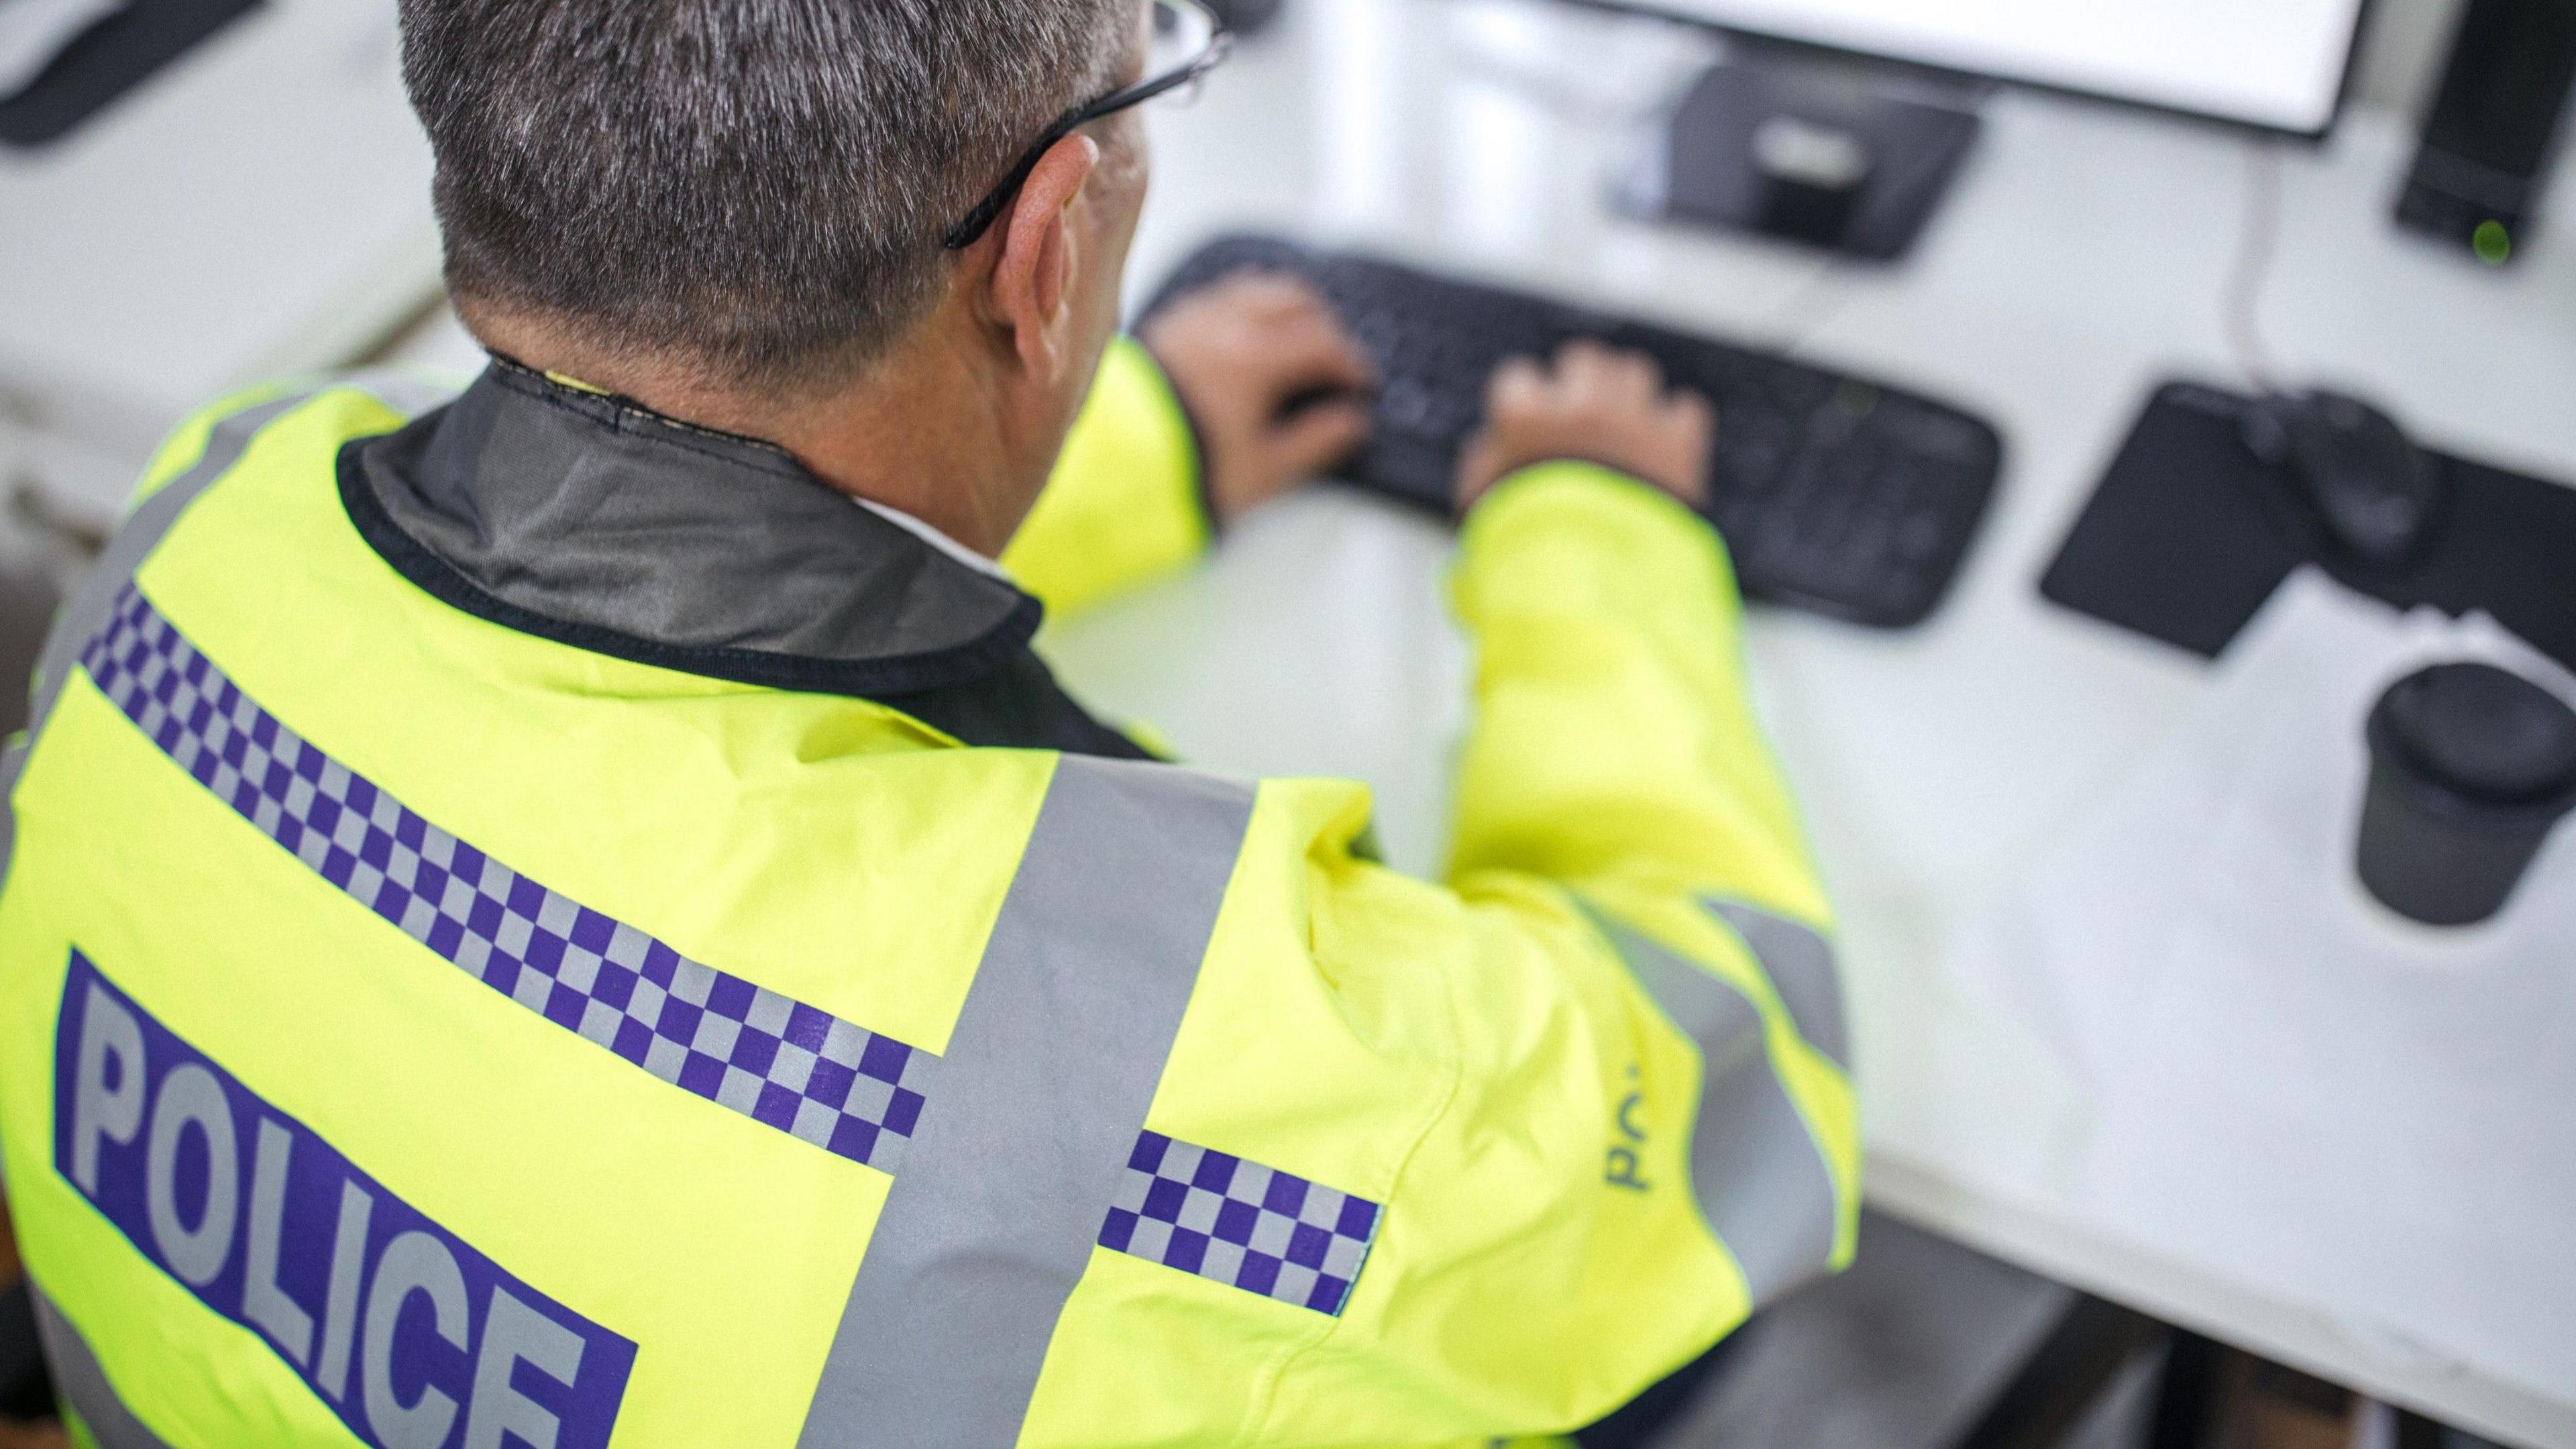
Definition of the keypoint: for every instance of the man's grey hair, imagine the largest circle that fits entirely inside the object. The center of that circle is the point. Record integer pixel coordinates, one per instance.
(754, 187)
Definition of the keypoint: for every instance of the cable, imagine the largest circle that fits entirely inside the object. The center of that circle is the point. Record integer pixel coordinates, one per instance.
(2258, 242)
(1794, 332)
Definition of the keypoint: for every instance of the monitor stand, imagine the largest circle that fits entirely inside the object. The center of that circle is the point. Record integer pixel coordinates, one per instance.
(1846, 159)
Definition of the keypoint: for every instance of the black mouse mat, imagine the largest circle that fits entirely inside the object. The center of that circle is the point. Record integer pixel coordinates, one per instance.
(2189, 534)
(115, 57)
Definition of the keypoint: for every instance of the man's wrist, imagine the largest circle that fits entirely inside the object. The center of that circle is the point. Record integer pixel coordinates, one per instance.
(1580, 504)
(1596, 534)
(1583, 472)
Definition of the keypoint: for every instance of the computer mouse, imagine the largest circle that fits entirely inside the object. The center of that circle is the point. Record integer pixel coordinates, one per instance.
(2371, 489)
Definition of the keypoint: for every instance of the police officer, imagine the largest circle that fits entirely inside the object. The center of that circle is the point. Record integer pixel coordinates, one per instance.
(570, 914)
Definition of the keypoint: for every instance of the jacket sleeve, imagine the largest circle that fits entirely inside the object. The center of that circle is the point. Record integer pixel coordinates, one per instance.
(1124, 504)
(1616, 762)
(1645, 1129)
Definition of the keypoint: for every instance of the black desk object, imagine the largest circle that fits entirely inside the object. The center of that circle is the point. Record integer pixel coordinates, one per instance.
(2494, 126)
(26, 1389)
(115, 57)
(1836, 495)
(2188, 535)
(1709, 169)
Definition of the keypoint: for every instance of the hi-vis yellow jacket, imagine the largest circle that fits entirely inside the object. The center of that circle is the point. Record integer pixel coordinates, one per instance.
(448, 1003)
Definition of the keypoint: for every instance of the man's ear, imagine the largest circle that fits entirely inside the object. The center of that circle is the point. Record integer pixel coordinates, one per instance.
(1040, 252)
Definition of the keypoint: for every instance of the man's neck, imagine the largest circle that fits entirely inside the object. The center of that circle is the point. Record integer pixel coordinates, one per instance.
(900, 435)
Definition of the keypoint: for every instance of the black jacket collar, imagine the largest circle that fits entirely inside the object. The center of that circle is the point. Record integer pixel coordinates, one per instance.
(594, 521)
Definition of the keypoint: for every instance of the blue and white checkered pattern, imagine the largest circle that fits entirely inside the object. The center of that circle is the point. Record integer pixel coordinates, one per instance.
(1240, 1223)
(780, 1062)
(787, 1065)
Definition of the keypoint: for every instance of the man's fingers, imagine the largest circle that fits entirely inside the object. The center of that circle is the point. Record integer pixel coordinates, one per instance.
(1311, 349)
(1631, 377)
(1269, 296)
(1693, 411)
(1581, 354)
(1597, 402)
(1321, 436)
(1254, 301)
(1518, 382)
(1595, 358)
(1479, 468)
(1597, 377)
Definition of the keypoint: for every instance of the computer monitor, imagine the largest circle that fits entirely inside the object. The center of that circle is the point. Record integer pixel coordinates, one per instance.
(2278, 65)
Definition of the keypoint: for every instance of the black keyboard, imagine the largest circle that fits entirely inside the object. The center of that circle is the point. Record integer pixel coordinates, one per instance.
(1837, 495)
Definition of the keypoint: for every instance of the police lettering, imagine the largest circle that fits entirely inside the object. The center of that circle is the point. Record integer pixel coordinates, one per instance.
(1622, 1170)
(412, 1337)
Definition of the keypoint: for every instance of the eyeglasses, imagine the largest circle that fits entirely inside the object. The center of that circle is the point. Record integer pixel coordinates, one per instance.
(1188, 42)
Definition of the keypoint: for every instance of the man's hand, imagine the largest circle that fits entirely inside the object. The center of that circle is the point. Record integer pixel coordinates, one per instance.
(1596, 405)
(1240, 353)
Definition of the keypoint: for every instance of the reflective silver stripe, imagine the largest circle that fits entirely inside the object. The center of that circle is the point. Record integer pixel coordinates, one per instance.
(86, 612)
(13, 762)
(1760, 1178)
(1801, 966)
(1043, 1090)
(94, 598)
(83, 1384)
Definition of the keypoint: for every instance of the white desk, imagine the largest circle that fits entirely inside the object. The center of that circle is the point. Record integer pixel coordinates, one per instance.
(260, 207)
(2080, 259)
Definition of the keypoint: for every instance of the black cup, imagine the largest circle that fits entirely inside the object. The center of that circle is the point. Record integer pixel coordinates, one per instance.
(2471, 767)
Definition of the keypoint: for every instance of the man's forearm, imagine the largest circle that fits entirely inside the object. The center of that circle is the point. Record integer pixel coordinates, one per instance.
(1614, 737)
(1616, 754)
